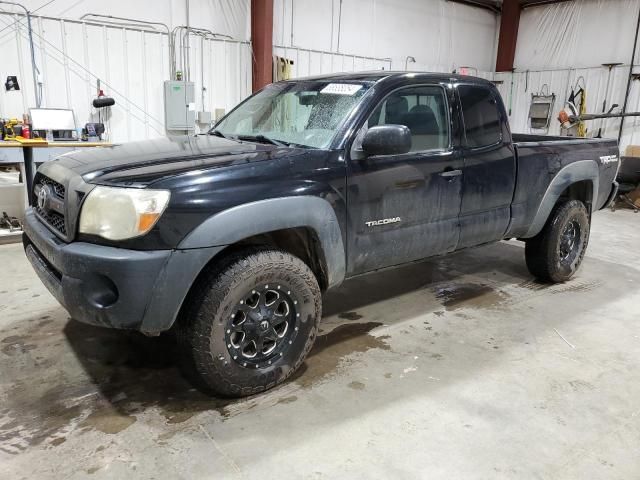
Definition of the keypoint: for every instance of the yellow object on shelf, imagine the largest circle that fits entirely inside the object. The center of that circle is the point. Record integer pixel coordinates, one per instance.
(8, 128)
(30, 141)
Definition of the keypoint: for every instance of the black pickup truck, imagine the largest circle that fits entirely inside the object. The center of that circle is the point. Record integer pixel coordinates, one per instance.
(231, 237)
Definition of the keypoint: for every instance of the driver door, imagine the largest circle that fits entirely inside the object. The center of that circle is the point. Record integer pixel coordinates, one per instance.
(405, 207)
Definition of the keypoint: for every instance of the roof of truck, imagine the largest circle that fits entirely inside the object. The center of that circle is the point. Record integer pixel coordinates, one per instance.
(377, 75)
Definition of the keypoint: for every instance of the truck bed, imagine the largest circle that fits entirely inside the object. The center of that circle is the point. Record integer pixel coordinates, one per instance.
(530, 139)
(539, 159)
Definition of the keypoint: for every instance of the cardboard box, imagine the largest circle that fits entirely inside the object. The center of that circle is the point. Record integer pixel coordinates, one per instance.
(632, 151)
(634, 196)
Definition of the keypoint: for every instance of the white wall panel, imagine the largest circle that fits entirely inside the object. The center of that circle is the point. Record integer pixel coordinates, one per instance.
(230, 17)
(578, 34)
(131, 64)
(316, 62)
(441, 35)
(517, 98)
(559, 43)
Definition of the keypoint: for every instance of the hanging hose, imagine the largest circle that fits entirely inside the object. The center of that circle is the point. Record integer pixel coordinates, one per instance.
(582, 127)
(511, 93)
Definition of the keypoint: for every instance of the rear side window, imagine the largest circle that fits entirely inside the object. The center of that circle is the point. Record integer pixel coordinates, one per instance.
(481, 116)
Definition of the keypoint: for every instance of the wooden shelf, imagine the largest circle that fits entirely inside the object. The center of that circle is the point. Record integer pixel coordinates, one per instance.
(42, 144)
(80, 144)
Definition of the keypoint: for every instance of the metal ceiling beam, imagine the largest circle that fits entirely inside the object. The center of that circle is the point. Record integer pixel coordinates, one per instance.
(496, 5)
(491, 5)
(508, 38)
(538, 3)
(262, 42)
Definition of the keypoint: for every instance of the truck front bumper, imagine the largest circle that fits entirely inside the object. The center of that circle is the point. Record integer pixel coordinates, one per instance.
(113, 287)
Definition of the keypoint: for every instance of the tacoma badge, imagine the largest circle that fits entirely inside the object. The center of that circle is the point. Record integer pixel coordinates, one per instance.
(384, 221)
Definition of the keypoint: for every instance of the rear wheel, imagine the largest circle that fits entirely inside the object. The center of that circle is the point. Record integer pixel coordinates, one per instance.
(251, 323)
(555, 254)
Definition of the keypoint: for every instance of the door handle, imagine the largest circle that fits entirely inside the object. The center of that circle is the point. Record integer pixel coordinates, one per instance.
(451, 173)
(416, 182)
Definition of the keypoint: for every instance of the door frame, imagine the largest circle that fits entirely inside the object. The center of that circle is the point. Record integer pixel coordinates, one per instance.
(453, 150)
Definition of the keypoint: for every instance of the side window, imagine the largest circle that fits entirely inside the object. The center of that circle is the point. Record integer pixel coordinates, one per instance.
(421, 109)
(481, 116)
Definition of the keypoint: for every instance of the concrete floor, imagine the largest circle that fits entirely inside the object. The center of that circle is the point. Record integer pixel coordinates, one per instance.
(461, 367)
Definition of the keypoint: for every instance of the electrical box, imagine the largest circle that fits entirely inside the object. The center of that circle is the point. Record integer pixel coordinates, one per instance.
(179, 105)
(204, 117)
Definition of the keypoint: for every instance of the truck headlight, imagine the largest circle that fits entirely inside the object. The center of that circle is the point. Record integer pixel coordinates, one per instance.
(121, 213)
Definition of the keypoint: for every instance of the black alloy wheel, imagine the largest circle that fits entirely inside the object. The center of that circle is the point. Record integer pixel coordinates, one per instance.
(249, 322)
(556, 253)
(569, 242)
(262, 325)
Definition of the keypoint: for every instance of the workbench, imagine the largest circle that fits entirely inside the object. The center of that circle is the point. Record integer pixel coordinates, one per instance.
(27, 154)
(49, 150)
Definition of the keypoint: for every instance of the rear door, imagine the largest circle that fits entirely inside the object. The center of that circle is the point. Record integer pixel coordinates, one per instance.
(489, 166)
(405, 207)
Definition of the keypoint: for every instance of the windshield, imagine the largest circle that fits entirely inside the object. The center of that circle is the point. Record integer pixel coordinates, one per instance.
(301, 113)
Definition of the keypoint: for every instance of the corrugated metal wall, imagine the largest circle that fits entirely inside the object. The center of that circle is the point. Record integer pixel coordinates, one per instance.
(308, 62)
(131, 63)
(516, 90)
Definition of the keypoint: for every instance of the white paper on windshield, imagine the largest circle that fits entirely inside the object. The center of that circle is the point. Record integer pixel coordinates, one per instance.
(341, 89)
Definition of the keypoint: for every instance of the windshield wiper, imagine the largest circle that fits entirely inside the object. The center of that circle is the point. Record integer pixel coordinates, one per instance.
(218, 133)
(264, 139)
(258, 138)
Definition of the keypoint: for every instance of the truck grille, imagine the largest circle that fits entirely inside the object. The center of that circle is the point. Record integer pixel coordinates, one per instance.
(55, 219)
(55, 186)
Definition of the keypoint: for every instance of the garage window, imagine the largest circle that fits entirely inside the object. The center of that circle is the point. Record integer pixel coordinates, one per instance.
(481, 116)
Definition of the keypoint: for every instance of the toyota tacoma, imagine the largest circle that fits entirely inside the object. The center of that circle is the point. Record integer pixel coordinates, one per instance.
(231, 237)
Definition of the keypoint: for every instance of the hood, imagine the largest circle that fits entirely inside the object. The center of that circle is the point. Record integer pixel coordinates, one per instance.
(144, 162)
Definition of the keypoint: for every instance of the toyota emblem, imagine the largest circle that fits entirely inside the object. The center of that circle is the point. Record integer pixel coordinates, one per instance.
(43, 197)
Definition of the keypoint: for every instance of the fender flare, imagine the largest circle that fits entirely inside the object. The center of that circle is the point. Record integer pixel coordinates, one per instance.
(263, 216)
(574, 172)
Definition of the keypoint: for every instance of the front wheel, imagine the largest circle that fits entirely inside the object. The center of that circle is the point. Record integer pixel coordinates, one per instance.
(251, 322)
(556, 253)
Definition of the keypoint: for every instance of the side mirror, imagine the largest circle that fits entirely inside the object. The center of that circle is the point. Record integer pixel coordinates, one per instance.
(387, 140)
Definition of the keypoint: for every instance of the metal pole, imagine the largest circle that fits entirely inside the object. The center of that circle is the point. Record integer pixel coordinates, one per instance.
(339, 25)
(36, 93)
(187, 74)
(626, 95)
(606, 94)
(595, 116)
(202, 87)
(29, 171)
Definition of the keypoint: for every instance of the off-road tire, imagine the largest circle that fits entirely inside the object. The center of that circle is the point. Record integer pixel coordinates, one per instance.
(203, 321)
(543, 252)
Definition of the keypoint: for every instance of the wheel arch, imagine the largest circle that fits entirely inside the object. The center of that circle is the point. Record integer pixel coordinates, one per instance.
(306, 227)
(303, 226)
(576, 181)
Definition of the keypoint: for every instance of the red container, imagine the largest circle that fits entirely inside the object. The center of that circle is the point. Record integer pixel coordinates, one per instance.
(26, 131)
